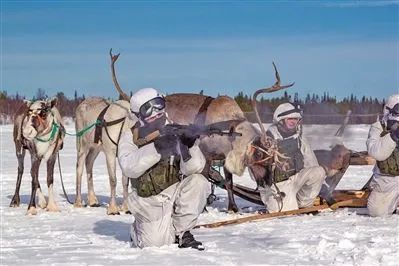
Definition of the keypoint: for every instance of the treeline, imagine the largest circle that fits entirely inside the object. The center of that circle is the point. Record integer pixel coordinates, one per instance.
(318, 109)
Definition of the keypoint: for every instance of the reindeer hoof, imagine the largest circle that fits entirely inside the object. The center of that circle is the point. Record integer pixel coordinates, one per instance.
(124, 208)
(233, 208)
(113, 213)
(31, 211)
(92, 201)
(113, 210)
(52, 208)
(15, 202)
(78, 204)
(42, 204)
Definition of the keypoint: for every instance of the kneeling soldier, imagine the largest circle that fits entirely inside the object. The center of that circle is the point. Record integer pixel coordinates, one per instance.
(383, 145)
(168, 193)
(299, 185)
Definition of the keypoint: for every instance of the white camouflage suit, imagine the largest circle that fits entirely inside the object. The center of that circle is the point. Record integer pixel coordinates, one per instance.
(384, 197)
(300, 189)
(159, 218)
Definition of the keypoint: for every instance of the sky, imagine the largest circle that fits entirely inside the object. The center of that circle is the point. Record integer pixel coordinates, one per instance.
(220, 47)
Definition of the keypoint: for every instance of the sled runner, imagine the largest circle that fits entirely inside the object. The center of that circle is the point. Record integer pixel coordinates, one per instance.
(358, 200)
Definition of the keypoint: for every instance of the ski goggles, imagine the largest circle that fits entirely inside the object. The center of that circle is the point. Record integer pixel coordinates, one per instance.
(148, 108)
(393, 113)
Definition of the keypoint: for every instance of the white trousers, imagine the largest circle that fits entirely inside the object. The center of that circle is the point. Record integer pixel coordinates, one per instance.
(159, 218)
(384, 197)
(300, 190)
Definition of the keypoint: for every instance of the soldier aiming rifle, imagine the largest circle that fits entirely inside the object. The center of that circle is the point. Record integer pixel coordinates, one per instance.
(164, 163)
(383, 145)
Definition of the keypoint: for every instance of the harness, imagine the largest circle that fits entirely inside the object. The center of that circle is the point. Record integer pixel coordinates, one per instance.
(389, 166)
(101, 123)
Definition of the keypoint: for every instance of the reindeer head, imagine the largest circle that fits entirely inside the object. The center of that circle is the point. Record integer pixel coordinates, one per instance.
(262, 155)
(39, 118)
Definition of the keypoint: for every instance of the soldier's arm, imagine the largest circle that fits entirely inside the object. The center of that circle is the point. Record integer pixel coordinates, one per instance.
(380, 148)
(197, 162)
(135, 161)
(309, 158)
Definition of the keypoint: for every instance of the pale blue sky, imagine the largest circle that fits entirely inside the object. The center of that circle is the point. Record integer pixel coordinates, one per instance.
(340, 47)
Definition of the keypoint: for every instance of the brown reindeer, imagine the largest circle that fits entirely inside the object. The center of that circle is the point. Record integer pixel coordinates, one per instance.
(37, 128)
(261, 162)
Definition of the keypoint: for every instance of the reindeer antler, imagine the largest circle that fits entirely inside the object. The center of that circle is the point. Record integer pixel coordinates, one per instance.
(116, 83)
(273, 88)
(269, 143)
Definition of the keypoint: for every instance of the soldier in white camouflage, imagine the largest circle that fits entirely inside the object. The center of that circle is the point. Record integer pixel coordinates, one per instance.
(383, 145)
(169, 191)
(298, 185)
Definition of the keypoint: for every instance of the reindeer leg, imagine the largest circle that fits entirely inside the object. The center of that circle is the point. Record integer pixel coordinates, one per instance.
(229, 187)
(79, 171)
(91, 157)
(42, 200)
(111, 166)
(125, 184)
(20, 156)
(35, 182)
(52, 205)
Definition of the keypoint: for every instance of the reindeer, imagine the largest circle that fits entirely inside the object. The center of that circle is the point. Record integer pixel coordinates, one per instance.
(37, 128)
(263, 157)
(104, 138)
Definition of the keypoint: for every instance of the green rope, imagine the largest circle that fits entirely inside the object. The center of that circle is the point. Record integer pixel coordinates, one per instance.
(54, 129)
(84, 130)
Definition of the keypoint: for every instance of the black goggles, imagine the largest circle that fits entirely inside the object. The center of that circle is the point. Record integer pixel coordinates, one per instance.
(394, 111)
(147, 108)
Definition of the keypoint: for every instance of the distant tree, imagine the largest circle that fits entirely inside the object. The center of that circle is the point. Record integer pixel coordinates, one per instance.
(40, 94)
(3, 95)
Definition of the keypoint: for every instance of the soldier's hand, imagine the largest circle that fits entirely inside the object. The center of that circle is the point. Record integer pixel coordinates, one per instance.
(188, 140)
(166, 145)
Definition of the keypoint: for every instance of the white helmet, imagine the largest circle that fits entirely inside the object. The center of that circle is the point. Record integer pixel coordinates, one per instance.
(286, 110)
(390, 108)
(144, 101)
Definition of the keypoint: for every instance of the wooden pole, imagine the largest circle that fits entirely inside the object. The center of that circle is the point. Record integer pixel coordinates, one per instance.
(356, 202)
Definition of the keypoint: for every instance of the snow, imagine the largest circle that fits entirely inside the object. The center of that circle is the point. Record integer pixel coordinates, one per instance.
(87, 236)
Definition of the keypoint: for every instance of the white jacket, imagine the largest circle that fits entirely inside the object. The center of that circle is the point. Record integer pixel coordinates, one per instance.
(135, 161)
(380, 148)
(309, 158)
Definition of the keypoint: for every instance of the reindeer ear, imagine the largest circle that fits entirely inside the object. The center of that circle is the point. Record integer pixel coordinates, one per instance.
(27, 103)
(52, 102)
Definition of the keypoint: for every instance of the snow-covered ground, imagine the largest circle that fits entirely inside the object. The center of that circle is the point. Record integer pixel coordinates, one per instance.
(87, 236)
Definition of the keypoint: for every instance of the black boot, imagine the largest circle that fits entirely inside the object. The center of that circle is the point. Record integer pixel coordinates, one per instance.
(187, 241)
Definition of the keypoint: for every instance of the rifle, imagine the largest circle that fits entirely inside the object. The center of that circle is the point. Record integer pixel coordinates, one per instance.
(194, 131)
(191, 131)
